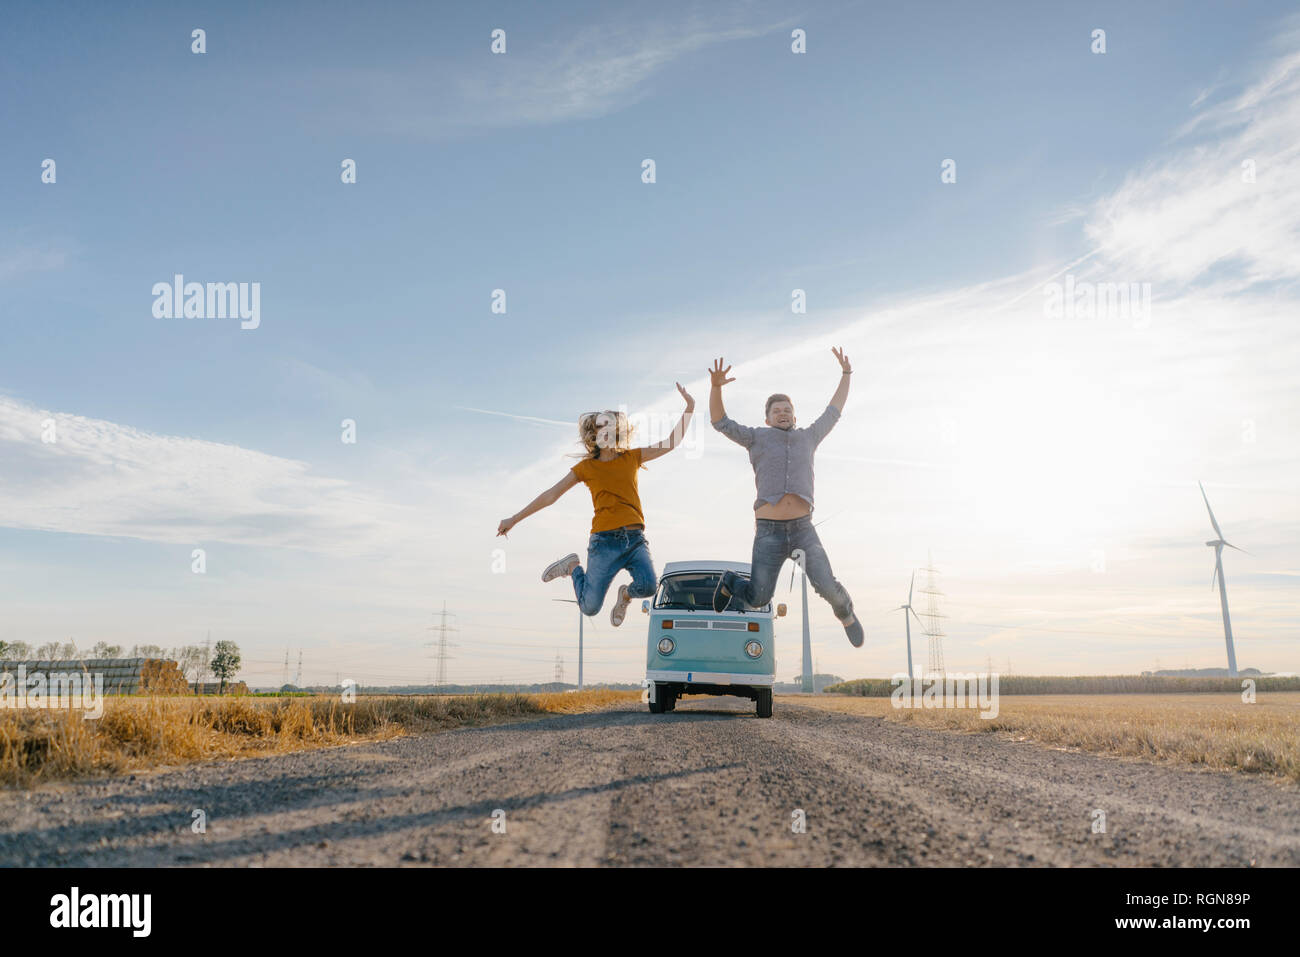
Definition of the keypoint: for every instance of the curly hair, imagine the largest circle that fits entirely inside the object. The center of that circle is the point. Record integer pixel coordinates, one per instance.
(587, 430)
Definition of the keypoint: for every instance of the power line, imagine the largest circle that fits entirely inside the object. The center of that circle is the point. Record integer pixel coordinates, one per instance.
(932, 618)
(442, 655)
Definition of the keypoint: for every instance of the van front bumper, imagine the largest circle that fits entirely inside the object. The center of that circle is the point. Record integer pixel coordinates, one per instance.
(709, 678)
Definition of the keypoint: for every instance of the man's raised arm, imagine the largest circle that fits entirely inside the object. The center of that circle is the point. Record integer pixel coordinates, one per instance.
(826, 421)
(740, 434)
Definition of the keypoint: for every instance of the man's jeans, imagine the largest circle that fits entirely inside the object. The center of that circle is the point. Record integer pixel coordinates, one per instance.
(607, 554)
(773, 542)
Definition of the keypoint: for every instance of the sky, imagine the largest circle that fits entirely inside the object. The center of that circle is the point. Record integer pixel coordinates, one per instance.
(1044, 460)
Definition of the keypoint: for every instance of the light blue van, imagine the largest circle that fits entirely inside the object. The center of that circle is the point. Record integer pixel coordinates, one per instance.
(694, 650)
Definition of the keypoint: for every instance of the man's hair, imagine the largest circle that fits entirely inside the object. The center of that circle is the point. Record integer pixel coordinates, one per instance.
(778, 397)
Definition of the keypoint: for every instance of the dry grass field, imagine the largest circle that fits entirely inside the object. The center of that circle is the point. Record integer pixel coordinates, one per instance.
(1215, 731)
(146, 732)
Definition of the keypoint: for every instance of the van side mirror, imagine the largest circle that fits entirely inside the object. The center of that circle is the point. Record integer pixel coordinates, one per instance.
(645, 607)
(780, 610)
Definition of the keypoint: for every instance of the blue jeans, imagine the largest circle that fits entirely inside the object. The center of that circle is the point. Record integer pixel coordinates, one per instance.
(774, 540)
(607, 554)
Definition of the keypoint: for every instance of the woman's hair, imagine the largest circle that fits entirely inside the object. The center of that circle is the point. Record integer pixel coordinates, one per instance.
(587, 429)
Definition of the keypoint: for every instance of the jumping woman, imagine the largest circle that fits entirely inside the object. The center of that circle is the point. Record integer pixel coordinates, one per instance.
(617, 539)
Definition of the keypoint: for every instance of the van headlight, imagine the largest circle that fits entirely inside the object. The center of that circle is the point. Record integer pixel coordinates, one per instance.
(666, 645)
(754, 649)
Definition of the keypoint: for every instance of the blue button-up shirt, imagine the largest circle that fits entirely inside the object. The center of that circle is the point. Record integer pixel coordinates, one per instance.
(782, 458)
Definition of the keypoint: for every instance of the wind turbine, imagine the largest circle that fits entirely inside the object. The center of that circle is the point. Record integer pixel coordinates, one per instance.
(907, 610)
(574, 601)
(807, 685)
(1218, 545)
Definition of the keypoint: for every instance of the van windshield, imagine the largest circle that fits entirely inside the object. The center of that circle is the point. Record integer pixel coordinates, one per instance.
(693, 591)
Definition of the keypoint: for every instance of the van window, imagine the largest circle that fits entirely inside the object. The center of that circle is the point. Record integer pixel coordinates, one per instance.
(692, 591)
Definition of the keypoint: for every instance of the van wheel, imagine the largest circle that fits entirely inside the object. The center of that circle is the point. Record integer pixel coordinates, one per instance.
(670, 700)
(764, 700)
(658, 699)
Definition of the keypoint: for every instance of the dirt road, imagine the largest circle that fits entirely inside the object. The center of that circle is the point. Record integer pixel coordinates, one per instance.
(707, 784)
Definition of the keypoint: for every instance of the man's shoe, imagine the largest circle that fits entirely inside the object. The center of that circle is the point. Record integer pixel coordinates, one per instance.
(855, 632)
(620, 607)
(561, 568)
(722, 594)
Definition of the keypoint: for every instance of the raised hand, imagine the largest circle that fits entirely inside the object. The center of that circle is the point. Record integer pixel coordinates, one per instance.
(690, 402)
(844, 360)
(718, 375)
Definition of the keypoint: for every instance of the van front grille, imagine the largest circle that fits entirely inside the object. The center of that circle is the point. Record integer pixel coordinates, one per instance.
(698, 625)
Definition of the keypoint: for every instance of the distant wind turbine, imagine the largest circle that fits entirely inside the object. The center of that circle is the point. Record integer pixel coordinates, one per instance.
(807, 683)
(907, 610)
(573, 601)
(1218, 545)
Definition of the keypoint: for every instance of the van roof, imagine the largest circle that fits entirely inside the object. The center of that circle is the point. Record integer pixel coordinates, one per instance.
(672, 568)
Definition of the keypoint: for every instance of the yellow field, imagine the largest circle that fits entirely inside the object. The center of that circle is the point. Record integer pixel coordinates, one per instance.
(146, 732)
(1214, 731)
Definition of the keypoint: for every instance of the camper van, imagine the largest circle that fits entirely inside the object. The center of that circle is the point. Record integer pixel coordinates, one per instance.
(692, 649)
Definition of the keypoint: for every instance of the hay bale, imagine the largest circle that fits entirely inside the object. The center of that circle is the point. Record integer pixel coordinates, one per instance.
(120, 675)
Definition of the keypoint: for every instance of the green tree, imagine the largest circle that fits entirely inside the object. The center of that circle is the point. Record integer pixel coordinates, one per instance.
(225, 662)
(103, 649)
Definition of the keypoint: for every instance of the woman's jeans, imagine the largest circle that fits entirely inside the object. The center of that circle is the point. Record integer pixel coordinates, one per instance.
(607, 554)
(774, 540)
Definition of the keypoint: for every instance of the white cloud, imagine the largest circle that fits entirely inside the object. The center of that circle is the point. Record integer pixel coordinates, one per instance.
(103, 478)
(590, 73)
(19, 262)
(1190, 218)
(579, 74)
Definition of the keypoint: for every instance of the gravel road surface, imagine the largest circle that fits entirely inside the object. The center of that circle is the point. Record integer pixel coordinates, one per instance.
(708, 784)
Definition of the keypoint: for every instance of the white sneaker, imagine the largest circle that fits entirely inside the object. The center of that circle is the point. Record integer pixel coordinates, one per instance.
(619, 610)
(562, 568)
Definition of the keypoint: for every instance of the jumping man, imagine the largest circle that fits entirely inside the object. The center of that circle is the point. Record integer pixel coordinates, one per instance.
(782, 457)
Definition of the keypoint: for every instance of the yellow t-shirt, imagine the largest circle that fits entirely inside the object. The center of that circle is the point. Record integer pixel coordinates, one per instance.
(613, 490)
